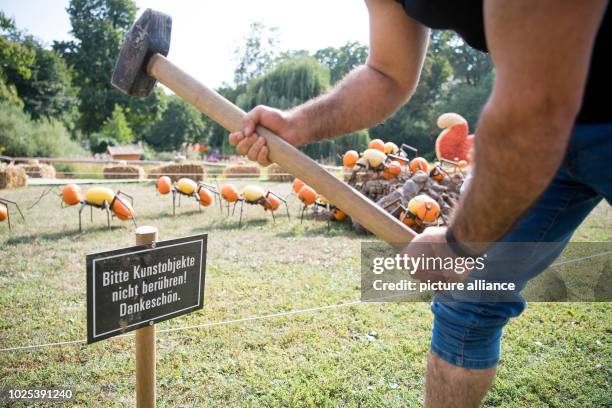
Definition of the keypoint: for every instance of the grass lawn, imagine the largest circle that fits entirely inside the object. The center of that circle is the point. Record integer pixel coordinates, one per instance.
(556, 355)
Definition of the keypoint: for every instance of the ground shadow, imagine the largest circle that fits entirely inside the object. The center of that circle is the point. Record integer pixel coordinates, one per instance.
(54, 236)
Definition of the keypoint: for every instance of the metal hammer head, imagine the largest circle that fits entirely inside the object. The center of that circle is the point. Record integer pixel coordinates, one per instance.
(148, 36)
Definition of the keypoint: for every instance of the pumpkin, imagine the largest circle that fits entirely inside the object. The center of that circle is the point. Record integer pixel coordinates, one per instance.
(374, 157)
(307, 195)
(252, 193)
(205, 197)
(272, 203)
(122, 209)
(71, 194)
(424, 208)
(229, 193)
(186, 186)
(338, 214)
(163, 185)
(390, 148)
(3, 213)
(98, 195)
(418, 163)
(297, 185)
(377, 144)
(437, 174)
(392, 170)
(350, 158)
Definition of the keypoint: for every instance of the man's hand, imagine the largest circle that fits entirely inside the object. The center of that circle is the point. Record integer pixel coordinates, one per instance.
(249, 143)
(431, 244)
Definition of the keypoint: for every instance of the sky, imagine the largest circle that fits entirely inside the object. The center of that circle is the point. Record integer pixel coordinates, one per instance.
(205, 33)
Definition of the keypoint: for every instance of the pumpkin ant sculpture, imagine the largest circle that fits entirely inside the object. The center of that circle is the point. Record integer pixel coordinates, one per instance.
(422, 209)
(5, 213)
(308, 196)
(103, 198)
(202, 192)
(253, 195)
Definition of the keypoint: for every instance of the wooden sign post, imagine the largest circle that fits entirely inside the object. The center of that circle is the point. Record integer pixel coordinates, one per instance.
(145, 342)
(134, 288)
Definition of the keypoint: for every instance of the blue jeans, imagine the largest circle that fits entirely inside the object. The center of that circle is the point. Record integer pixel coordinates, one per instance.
(468, 334)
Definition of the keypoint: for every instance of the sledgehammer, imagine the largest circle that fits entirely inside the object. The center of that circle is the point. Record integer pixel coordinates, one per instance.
(142, 61)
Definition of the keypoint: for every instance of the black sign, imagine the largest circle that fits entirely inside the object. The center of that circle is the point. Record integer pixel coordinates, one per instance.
(133, 287)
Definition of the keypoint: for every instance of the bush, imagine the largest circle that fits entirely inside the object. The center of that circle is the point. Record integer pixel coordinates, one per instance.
(22, 136)
(100, 142)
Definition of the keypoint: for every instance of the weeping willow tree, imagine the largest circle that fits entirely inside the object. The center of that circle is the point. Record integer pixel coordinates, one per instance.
(294, 81)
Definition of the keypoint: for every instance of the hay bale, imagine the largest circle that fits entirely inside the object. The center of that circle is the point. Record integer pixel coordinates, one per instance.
(125, 171)
(35, 169)
(12, 176)
(276, 173)
(242, 170)
(176, 171)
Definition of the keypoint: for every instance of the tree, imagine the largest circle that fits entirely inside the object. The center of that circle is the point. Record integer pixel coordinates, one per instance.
(116, 127)
(178, 124)
(99, 27)
(48, 91)
(342, 60)
(257, 54)
(14, 57)
(290, 83)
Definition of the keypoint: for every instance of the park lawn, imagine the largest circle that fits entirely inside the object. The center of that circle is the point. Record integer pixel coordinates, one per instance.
(355, 354)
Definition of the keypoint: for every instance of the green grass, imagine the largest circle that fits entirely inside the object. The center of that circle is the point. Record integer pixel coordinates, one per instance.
(359, 355)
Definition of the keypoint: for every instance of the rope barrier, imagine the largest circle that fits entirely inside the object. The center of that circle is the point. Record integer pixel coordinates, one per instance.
(196, 326)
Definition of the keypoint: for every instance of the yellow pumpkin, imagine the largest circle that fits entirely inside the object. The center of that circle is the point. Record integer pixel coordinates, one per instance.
(253, 193)
(391, 148)
(186, 186)
(374, 157)
(97, 195)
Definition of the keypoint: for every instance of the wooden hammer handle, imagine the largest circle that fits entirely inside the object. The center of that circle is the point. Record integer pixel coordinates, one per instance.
(228, 115)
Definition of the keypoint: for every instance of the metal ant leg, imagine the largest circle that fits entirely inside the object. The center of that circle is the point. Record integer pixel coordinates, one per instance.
(241, 208)
(273, 217)
(287, 208)
(8, 216)
(233, 209)
(302, 215)
(83, 204)
(106, 207)
(173, 202)
(91, 214)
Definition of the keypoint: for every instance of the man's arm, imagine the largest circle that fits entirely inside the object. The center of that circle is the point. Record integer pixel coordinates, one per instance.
(365, 97)
(541, 51)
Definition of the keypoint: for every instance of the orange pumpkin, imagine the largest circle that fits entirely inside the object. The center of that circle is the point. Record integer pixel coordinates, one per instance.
(297, 185)
(229, 193)
(392, 170)
(437, 174)
(418, 163)
(377, 144)
(407, 219)
(272, 203)
(163, 185)
(205, 197)
(350, 158)
(71, 194)
(307, 195)
(3, 213)
(338, 214)
(424, 208)
(122, 209)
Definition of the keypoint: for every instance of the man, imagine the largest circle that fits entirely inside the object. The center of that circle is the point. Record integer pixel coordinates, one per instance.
(546, 125)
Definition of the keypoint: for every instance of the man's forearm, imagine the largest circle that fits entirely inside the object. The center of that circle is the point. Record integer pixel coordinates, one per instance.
(364, 98)
(516, 156)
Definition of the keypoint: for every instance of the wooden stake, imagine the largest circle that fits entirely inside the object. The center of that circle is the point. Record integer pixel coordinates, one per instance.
(145, 342)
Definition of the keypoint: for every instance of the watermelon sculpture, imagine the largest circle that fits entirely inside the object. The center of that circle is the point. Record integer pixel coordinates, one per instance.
(454, 143)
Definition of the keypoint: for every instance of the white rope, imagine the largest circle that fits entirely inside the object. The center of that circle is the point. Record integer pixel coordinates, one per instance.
(197, 326)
